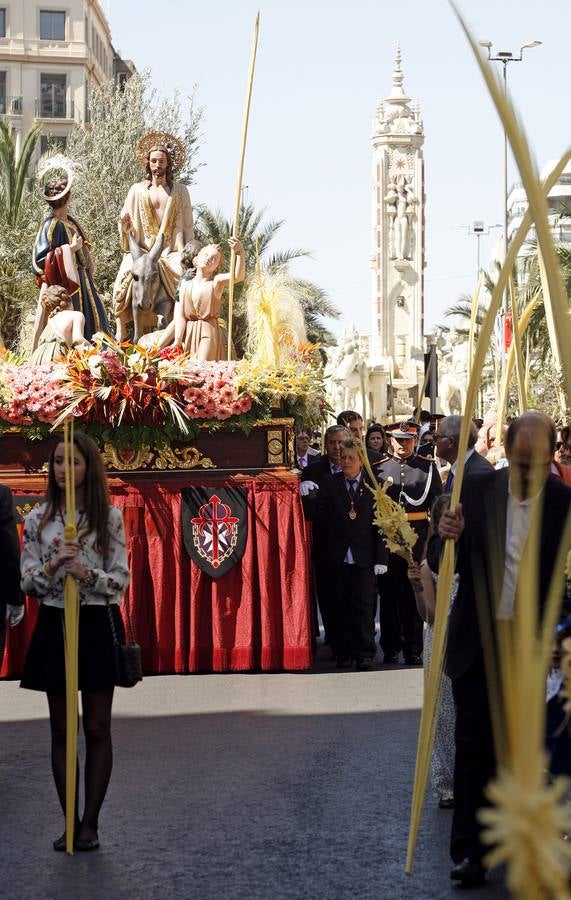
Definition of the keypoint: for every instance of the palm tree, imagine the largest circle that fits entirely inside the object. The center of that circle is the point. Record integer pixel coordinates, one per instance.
(19, 217)
(538, 335)
(212, 228)
(13, 172)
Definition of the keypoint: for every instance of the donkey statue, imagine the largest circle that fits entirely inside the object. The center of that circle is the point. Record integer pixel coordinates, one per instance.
(151, 307)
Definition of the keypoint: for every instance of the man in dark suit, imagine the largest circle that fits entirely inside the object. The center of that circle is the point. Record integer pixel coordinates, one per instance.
(11, 600)
(491, 526)
(351, 549)
(312, 477)
(304, 453)
(447, 440)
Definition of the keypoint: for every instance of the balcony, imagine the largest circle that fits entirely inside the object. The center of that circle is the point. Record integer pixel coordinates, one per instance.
(51, 107)
(14, 106)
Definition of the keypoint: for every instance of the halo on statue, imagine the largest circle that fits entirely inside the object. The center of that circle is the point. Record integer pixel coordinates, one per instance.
(161, 140)
(50, 166)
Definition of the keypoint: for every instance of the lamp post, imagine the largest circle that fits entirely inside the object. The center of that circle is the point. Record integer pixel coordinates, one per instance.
(478, 228)
(504, 57)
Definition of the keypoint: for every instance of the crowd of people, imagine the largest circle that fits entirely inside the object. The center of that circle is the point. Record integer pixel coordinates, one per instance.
(355, 574)
(356, 577)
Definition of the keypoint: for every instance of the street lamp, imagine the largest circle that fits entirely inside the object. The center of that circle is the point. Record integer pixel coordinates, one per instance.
(504, 57)
(478, 228)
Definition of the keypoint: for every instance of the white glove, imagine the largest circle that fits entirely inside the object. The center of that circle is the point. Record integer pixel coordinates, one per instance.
(306, 487)
(380, 570)
(14, 614)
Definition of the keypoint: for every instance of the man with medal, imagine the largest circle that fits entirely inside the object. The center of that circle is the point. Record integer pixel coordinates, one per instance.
(415, 485)
(354, 553)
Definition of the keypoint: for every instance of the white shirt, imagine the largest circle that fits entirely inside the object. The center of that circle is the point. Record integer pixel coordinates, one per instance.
(518, 520)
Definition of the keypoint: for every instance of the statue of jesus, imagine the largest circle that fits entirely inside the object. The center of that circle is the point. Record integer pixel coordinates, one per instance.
(157, 205)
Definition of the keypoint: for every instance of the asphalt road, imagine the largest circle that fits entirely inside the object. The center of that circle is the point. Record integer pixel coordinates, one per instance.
(242, 787)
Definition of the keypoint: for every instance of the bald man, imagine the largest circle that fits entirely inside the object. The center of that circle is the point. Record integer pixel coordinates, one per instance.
(490, 527)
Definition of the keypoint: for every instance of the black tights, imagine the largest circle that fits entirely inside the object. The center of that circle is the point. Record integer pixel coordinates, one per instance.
(99, 753)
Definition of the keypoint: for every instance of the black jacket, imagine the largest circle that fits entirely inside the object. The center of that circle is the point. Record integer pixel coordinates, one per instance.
(338, 531)
(481, 557)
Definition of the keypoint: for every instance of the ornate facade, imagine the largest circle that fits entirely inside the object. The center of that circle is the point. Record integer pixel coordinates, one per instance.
(397, 260)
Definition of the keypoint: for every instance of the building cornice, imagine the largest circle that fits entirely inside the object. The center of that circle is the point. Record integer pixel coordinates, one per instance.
(40, 59)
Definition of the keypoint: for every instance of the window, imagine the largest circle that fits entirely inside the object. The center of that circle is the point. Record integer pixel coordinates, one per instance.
(52, 99)
(2, 23)
(52, 25)
(2, 92)
(52, 142)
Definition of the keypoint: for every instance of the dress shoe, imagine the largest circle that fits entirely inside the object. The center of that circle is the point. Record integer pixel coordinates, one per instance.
(446, 802)
(390, 659)
(469, 873)
(413, 660)
(85, 845)
(343, 662)
(363, 665)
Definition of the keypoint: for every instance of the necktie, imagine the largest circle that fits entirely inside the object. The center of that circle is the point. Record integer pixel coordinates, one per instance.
(449, 483)
(301, 462)
(352, 489)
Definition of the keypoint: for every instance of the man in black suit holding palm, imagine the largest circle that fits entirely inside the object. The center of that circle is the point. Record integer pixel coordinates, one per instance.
(491, 526)
(447, 440)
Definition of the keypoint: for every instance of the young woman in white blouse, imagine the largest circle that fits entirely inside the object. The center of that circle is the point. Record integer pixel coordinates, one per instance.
(98, 561)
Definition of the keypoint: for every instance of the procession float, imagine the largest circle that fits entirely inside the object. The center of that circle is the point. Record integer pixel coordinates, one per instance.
(198, 446)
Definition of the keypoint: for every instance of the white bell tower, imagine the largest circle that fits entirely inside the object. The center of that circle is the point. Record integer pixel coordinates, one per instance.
(397, 260)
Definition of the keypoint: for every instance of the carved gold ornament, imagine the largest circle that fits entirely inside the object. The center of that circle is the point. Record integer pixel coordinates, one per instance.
(129, 460)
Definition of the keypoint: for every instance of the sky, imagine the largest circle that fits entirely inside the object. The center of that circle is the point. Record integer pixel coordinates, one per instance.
(322, 67)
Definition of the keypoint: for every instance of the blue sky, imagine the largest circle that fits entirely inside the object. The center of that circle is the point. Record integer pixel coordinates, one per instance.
(322, 68)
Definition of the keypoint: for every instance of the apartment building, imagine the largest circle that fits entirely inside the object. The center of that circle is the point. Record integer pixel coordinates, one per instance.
(51, 56)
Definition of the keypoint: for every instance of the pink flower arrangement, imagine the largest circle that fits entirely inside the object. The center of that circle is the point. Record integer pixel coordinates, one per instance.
(32, 394)
(121, 384)
(214, 393)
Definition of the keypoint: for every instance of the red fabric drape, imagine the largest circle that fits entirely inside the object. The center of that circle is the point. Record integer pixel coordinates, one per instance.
(257, 615)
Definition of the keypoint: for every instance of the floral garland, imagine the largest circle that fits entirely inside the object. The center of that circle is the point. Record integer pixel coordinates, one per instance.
(126, 387)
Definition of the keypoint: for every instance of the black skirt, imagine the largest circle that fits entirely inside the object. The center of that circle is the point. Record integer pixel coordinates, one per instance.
(44, 669)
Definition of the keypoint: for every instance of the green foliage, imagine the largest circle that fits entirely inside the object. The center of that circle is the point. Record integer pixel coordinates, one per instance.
(19, 220)
(256, 236)
(104, 153)
(13, 171)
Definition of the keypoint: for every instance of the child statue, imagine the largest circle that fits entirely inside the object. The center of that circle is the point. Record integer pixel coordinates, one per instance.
(196, 315)
(64, 328)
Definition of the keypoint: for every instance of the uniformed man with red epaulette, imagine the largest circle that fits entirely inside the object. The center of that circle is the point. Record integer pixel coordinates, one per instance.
(415, 485)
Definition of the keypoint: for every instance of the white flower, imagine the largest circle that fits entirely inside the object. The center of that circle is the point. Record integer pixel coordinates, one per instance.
(134, 359)
(94, 363)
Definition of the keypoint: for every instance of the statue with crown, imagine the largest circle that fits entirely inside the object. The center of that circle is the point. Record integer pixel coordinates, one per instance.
(61, 253)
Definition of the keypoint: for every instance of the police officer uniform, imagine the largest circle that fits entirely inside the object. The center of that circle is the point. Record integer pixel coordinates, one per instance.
(415, 485)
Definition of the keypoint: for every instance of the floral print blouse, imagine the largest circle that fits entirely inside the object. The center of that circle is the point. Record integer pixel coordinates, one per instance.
(111, 572)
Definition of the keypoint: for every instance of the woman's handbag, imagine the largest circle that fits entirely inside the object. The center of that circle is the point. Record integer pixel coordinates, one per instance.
(128, 662)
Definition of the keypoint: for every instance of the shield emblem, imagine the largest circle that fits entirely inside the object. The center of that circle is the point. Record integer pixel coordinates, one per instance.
(215, 527)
